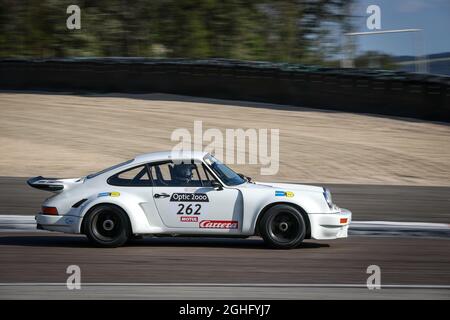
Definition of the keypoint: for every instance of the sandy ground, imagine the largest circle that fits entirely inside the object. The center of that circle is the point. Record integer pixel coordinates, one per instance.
(72, 135)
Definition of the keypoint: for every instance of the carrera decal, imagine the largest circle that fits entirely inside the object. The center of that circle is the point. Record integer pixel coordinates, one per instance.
(288, 194)
(189, 197)
(189, 219)
(218, 224)
(109, 194)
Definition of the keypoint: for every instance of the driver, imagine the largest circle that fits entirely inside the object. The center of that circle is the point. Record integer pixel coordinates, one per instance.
(182, 173)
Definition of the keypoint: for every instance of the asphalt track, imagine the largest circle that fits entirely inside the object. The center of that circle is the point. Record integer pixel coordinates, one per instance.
(367, 202)
(33, 265)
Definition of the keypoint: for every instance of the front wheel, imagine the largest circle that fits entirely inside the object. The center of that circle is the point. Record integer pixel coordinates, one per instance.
(107, 226)
(282, 227)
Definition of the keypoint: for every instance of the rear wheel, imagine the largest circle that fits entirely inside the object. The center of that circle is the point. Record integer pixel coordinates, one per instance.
(107, 226)
(282, 227)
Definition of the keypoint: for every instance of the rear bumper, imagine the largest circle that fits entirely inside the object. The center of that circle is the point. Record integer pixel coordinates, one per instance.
(330, 225)
(67, 224)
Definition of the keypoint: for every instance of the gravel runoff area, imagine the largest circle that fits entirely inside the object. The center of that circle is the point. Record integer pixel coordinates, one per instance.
(68, 135)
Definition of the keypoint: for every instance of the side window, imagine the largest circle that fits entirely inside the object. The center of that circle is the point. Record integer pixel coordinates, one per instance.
(134, 177)
(160, 175)
(177, 175)
(205, 176)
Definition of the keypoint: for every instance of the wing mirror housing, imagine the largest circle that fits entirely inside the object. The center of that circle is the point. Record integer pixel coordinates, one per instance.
(216, 185)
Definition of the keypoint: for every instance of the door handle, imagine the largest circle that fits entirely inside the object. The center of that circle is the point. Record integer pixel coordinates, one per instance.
(161, 195)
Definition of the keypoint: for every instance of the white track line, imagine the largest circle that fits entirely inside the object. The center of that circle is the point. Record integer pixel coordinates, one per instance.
(17, 223)
(394, 224)
(254, 285)
(21, 223)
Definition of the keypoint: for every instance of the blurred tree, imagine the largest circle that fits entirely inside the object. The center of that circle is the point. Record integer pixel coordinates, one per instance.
(284, 30)
(375, 60)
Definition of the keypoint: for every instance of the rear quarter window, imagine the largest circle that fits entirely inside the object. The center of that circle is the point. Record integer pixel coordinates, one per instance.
(93, 175)
(134, 177)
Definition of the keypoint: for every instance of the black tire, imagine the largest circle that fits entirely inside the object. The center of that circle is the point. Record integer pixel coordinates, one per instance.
(282, 227)
(107, 226)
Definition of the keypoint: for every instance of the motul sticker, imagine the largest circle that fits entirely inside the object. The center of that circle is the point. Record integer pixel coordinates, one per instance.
(189, 219)
(218, 224)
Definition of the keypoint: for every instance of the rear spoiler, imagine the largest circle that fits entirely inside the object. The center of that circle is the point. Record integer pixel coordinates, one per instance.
(52, 184)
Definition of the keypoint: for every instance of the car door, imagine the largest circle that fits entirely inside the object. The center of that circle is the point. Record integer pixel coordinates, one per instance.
(188, 201)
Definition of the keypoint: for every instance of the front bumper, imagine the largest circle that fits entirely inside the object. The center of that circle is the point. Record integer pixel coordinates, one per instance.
(67, 224)
(330, 225)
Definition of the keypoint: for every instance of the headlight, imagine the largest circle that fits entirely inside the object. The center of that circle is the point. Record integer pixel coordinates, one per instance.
(328, 199)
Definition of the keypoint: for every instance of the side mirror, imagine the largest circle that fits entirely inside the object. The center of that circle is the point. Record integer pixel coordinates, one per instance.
(216, 185)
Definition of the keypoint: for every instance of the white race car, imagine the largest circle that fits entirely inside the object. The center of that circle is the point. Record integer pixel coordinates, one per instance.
(165, 195)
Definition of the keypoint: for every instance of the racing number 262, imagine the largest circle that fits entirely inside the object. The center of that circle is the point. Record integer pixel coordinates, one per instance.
(188, 209)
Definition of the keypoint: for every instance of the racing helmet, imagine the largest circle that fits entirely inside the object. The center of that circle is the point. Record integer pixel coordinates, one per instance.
(182, 172)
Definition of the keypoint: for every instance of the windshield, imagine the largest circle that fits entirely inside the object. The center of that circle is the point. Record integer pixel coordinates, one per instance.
(93, 175)
(226, 174)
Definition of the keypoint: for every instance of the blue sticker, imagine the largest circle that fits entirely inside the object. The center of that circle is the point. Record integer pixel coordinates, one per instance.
(69, 221)
(109, 194)
(288, 194)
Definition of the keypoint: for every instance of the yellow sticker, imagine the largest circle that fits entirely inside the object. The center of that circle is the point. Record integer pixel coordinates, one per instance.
(289, 194)
(114, 194)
